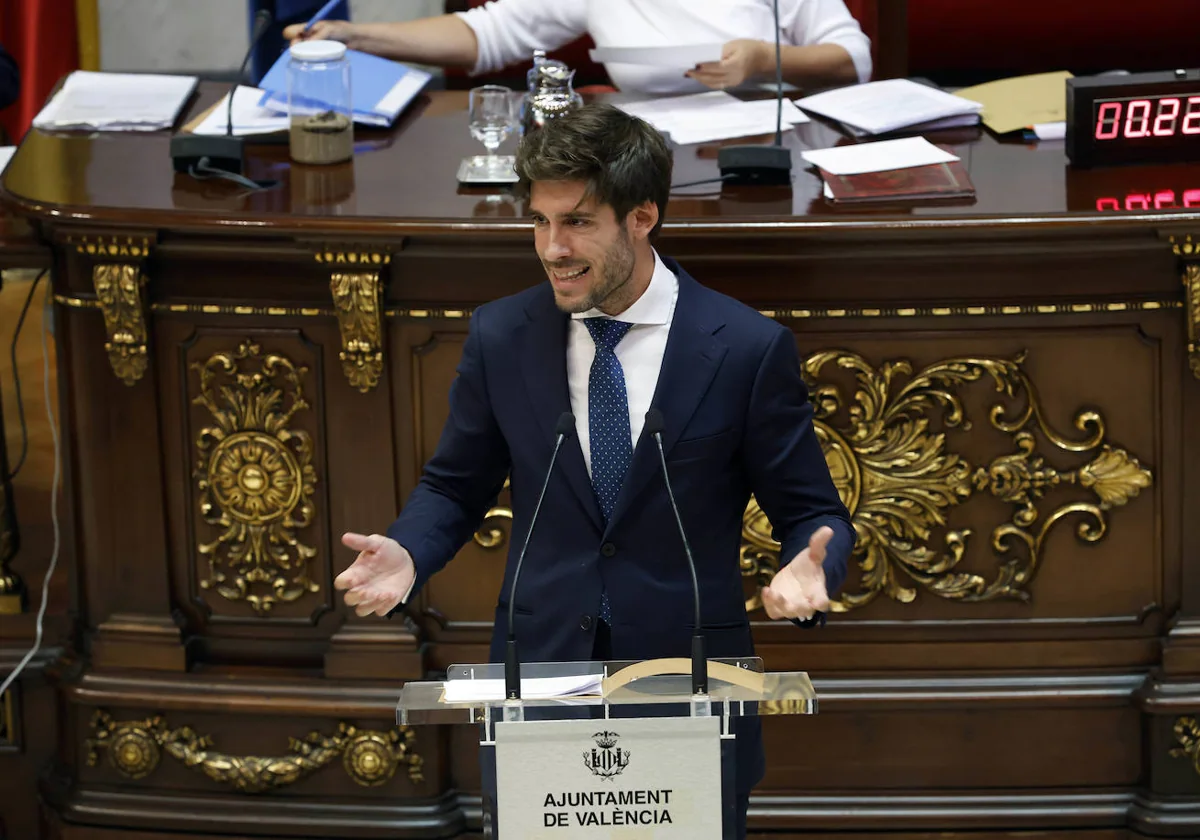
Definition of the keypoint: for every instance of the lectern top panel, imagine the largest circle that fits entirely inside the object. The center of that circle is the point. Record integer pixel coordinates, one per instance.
(737, 687)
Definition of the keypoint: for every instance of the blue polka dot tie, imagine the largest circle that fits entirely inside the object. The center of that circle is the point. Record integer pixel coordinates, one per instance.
(608, 422)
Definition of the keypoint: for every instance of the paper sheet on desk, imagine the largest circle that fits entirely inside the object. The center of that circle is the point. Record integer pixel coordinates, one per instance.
(682, 57)
(714, 115)
(6, 153)
(890, 105)
(116, 102)
(878, 157)
(535, 688)
(248, 116)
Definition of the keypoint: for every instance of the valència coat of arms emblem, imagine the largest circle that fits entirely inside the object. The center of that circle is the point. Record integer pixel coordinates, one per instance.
(606, 759)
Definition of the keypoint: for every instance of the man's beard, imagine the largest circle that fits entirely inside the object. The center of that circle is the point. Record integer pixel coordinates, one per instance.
(618, 269)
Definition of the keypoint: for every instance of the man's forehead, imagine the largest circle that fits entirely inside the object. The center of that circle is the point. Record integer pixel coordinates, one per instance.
(556, 198)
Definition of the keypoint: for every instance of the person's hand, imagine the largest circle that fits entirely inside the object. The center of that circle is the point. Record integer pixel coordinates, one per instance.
(798, 590)
(379, 577)
(740, 60)
(322, 30)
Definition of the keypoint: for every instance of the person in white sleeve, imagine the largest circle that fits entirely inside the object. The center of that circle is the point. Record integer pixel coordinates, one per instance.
(823, 45)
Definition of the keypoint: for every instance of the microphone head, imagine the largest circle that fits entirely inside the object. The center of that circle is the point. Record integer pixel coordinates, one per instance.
(565, 425)
(261, 21)
(654, 422)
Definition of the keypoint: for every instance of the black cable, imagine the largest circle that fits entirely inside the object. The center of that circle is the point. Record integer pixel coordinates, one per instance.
(778, 82)
(729, 177)
(203, 170)
(17, 378)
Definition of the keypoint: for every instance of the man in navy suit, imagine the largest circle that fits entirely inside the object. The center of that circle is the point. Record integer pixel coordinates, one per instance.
(619, 329)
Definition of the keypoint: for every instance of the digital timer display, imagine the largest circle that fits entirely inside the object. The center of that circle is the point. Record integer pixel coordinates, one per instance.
(1138, 118)
(1147, 119)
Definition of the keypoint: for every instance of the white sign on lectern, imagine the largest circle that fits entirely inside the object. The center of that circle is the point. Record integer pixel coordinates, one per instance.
(616, 778)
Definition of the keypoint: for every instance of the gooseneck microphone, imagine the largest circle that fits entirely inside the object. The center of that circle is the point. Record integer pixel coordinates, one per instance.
(758, 164)
(654, 427)
(220, 155)
(512, 662)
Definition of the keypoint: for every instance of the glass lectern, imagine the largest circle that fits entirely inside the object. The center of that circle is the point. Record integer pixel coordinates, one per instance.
(592, 747)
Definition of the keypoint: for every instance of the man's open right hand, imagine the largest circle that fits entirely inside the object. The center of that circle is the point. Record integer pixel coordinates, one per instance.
(379, 578)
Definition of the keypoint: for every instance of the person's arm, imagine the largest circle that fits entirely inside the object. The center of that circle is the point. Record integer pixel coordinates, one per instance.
(464, 476)
(482, 39)
(822, 46)
(788, 473)
(443, 41)
(10, 79)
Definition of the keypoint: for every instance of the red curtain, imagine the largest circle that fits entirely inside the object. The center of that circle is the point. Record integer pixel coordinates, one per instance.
(41, 36)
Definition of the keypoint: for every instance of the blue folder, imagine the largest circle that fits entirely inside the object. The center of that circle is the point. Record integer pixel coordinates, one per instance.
(380, 89)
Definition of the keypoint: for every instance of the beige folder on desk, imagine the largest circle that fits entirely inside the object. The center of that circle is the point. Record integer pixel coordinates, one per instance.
(1022, 101)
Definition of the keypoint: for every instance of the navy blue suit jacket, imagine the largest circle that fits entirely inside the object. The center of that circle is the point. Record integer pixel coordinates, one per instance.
(737, 421)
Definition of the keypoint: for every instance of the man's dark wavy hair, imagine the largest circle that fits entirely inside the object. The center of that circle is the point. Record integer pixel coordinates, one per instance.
(623, 159)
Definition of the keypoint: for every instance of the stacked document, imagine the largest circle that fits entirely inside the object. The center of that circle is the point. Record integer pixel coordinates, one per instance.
(379, 89)
(535, 688)
(714, 115)
(116, 102)
(892, 105)
(907, 169)
(249, 117)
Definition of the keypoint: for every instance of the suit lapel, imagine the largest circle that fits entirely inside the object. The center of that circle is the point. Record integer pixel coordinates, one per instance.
(544, 368)
(690, 362)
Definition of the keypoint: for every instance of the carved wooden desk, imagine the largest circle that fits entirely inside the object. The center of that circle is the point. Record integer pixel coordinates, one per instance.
(1007, 393)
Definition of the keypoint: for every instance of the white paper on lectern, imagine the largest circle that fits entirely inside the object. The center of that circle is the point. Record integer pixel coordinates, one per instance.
(682, 57)
(6, 153)
(532, 688)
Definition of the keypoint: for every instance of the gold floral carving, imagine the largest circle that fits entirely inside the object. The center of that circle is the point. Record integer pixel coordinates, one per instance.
(1187, 735)
(119, 292)
(1191, 282)
(490, 534)
(256, 477)
(898, 479)
(356, 298)
(134, 749)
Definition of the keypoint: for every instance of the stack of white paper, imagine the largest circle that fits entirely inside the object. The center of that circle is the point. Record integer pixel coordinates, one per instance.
(249, 117)
(535, 688)
(714, 115)
(116, 102)
(892, 105)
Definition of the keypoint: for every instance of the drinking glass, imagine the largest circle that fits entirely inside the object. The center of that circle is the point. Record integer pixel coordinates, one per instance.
(493, 117)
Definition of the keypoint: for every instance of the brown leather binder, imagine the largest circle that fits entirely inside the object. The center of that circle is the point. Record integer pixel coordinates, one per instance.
(936, 181)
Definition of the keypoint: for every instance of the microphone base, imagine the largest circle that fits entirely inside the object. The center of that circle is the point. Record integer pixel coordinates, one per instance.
(512, 671)
(223, 152)
(758, 165)
(699, 666)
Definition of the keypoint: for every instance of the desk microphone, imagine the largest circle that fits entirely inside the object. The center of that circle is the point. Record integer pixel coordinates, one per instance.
(213, 154)
(654, 427)
(757, 164)
(512, 663)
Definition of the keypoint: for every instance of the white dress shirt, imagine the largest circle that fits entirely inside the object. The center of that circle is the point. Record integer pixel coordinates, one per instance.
(508, 31)
(640, 353)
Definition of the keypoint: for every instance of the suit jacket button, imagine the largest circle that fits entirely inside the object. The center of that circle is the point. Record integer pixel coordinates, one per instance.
(585, 623)
(608, 549)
